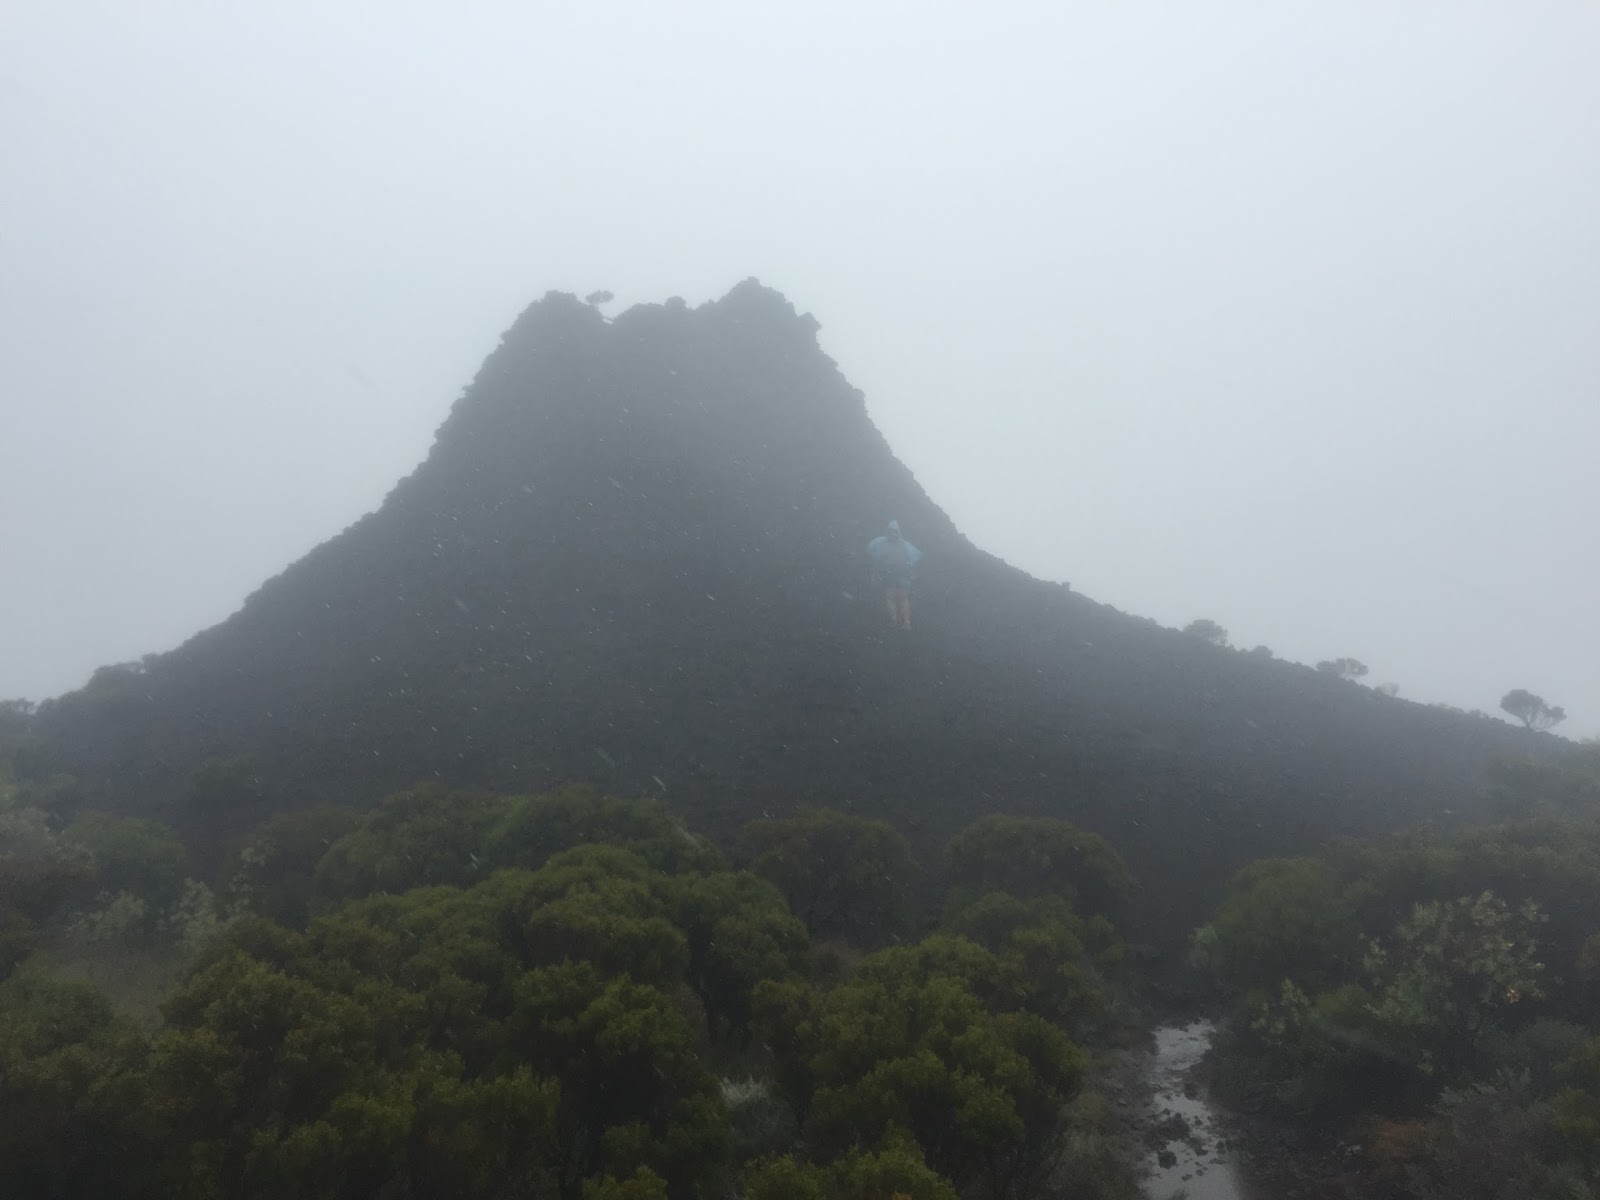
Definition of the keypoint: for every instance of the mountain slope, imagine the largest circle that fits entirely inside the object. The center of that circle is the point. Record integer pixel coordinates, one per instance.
(634, 555)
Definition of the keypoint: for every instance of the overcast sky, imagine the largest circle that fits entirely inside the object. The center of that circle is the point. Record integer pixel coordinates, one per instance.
(1282, 314)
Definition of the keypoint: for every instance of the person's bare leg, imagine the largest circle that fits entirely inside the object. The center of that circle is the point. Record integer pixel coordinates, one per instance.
(899, 607)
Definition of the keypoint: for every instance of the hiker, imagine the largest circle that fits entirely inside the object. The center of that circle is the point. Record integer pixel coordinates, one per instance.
(893, 560)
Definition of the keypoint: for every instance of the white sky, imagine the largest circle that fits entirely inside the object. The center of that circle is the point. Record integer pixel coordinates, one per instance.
(1282, 314)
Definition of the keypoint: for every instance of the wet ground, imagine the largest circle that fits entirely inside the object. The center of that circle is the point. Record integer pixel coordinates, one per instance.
(1182, 1132)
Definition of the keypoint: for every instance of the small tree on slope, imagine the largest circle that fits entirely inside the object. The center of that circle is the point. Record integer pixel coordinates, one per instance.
(1531, 710)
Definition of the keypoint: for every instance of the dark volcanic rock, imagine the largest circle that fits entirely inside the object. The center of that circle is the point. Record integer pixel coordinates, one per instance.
(635, 556)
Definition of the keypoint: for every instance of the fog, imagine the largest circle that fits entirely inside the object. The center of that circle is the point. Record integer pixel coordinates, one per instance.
(1279, 315)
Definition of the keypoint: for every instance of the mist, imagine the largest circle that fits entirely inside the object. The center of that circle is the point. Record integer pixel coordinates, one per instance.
(1279, 318)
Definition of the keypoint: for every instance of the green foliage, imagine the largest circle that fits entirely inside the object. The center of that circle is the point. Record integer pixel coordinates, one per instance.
(1038, 856)
(532, 828)
(786, 1015)
(593, 923)
(130, 921)
(427, 836)
(54, 791)
(271, 874)
(1495, 1140)
(1450, 966)
(1423, 997)
(1384, 971)
(453, 956)
(600, 905)
(141, 868)
(120, 917)
(144, 858)
(193, 922)
(897, 1171)
(1555, 864)
(402, 1041)
(643, 1184)
(75, 1111)
(1281, 918)
(356, 1041)
(323, 1116)
(31, 774)
(842, 875)
(740, 932)
(1051, 961)
(1317, 1054)
(39, 875)
(760, 1124)
(633, 1093)
(1552, 863)
(787, 1179)
(1308, 919)
(1542, 1051)
(538, 1032)
(432, 835)
(18, 939)
(263, 1042)
(907, 1045)
(1577, 1104)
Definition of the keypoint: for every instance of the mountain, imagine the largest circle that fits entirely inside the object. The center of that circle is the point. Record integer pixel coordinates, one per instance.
(634, 555)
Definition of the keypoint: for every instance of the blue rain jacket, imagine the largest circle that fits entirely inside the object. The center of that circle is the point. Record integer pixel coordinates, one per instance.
(893, 560)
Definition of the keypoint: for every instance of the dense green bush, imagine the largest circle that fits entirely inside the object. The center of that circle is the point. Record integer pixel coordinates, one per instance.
(522, 997)
(1495, 1140)
(133, 855)
(1440, 986)
(1051, 961)
(1038, 856)
(433, 835)
(272, 874)
(1282, 918)
(40, 874)
(740, 933)
(529, 829)
(429, 835)
(909, 1043)
(1448, 968)
(843, 875)
(898, 1170)
(75, 1095)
